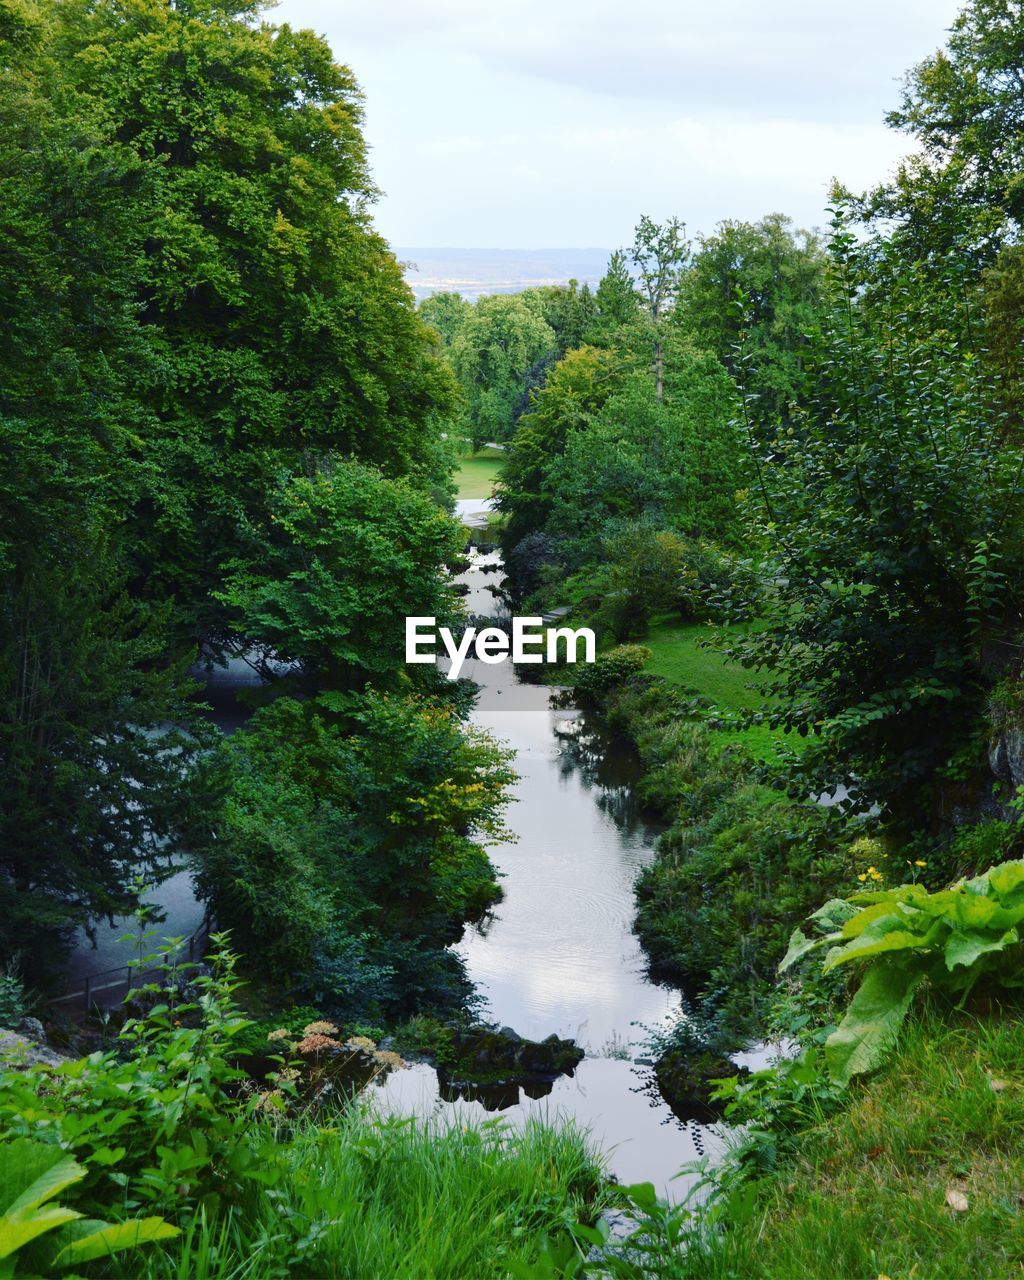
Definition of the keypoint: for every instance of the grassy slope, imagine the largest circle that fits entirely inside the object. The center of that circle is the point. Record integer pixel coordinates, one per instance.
(678, 654)
(866, 1196)
(477, 473)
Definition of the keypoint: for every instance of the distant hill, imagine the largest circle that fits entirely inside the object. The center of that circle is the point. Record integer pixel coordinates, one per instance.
(472, 272)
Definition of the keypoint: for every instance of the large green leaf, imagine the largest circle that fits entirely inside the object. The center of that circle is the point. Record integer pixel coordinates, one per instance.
(92, 1239)
(18, 1230)
(889, 933)
(833, 915)
(32, 1173)
(1006, 877)
(964, 946)
(799, 946)
(855, 925)
(873, 1019)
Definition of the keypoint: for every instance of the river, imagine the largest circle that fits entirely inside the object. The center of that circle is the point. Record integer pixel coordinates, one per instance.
(558, 953)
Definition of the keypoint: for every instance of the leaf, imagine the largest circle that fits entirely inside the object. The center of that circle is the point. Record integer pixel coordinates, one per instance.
(799, 946)
(642, 1194)
(41, 1170)
(966, 945)
(873, 1020)
(833, 914)
(1006, 877)
(888, 933)
(18, 1230)
(92, 1239)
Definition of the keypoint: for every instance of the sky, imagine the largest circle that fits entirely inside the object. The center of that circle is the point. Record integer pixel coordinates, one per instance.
(525, 124)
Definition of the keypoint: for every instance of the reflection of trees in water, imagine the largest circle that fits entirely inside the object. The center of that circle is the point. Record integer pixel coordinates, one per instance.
(603, 763)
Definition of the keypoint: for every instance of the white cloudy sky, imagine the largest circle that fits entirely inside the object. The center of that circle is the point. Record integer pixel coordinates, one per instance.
(540, 123)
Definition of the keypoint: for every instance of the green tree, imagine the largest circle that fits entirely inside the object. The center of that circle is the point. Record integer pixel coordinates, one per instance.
(756, 288)
(91, 790)
(282, 321)
(575, 390)
(345, 844)
(615, 302)
(964, 184)
(893, 508)
(660, 254)
(346, 556)
(445, 312)
(492, 354)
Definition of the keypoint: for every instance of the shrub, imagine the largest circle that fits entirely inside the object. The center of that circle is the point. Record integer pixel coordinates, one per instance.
(596, 680)
(949, 940)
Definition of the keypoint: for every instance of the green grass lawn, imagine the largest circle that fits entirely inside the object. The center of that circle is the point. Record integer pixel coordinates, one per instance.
(477, 473)
(921, 1175)
(678, 655)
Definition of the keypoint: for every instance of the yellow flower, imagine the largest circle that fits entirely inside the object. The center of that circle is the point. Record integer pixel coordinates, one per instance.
(918, 863)
(862, 878)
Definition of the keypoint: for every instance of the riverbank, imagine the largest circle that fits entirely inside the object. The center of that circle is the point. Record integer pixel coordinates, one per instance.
(740, 864)
(230, 1177)
(916, 1171)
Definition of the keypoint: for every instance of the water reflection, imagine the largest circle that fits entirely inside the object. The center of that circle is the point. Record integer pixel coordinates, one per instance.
(558, 953)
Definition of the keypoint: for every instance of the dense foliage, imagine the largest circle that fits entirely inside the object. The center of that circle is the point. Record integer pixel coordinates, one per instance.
(343, 857)
(892, 512)
(222, 427)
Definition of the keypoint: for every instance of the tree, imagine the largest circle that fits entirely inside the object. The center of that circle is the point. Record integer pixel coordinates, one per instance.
(349, 846)
(756, 288)
(492, 353)
(576, 388)
(567, 309)
(283, 325)
(639, 574)
(963, 187)
(893, 509)
(660, 254)
(346, 556)
(93, 789)
(445, 312)
(615, 302)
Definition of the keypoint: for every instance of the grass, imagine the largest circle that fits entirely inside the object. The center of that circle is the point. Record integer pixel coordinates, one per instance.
(401, 1199)
(478, 472)
(867, 1194)
(679, 654)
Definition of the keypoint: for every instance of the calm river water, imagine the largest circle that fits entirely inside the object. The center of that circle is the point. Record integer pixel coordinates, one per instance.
(559, 954)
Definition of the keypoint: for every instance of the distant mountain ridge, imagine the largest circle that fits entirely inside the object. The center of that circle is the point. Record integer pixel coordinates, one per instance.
(473, 272)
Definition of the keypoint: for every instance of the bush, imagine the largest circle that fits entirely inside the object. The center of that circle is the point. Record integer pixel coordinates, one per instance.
(596, 680)
(714, 583)
(350, 838)
(741, 863)
(950, 940)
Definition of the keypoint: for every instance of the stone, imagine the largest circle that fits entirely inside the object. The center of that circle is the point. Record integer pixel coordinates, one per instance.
(32, 1029)
(487, 1055)
(20, 1051)
(684, 1078)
